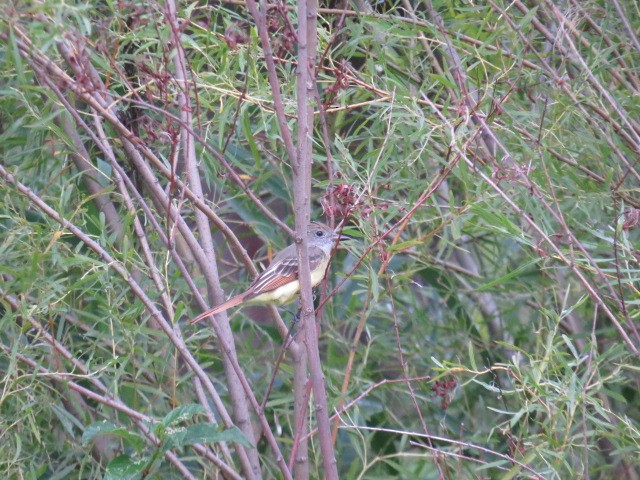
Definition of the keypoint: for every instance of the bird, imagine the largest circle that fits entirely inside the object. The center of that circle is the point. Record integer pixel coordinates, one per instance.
(279, 283)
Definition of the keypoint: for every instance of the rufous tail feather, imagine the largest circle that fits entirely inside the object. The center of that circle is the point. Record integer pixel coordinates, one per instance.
(232, 302)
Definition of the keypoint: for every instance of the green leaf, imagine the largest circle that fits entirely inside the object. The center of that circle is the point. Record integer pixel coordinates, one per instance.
(248, 135)
(373, 284)
(105, 428)
(125, 468)
(204, 433)
(472, 357)
(505, 278)
(404, 245)
(495, 219)
(182, 413)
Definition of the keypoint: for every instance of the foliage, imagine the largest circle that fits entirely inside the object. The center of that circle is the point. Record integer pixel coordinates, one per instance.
(482, 324)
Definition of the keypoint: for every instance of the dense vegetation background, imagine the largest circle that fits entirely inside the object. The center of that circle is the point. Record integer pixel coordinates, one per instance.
(484, 322)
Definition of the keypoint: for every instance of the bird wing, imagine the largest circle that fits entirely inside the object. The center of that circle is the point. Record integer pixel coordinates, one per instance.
(277, 274)
(284, 269)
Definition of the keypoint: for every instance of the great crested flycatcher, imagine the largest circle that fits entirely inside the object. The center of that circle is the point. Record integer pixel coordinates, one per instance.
(279, 283)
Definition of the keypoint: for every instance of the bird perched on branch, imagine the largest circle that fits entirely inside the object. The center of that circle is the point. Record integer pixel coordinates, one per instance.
(279, 283)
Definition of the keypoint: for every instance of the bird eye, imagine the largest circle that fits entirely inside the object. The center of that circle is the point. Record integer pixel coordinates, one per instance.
(319, 233)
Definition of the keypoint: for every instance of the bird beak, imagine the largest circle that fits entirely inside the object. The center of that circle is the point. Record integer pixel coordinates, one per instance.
(339, 236)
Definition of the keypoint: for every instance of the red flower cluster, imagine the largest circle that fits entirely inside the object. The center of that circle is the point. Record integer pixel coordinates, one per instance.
(343, 204)
(444, 389)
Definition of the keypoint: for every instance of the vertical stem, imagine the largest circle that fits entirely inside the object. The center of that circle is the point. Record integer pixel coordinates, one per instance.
(300, 449)
(307, 43)
(248, 456)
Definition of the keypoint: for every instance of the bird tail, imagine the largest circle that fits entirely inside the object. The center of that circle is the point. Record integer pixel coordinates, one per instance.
(232, 302)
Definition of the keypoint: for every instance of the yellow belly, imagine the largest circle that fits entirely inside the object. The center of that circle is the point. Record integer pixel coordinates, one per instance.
(287, 293)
